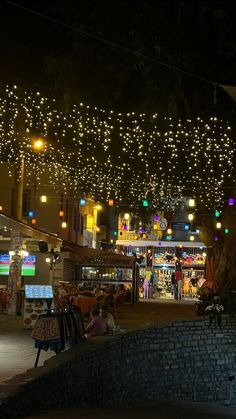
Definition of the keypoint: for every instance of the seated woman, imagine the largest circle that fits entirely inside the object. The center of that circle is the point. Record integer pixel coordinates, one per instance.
(108, 299)
(98, 291)
(104, 314)
(97, 326)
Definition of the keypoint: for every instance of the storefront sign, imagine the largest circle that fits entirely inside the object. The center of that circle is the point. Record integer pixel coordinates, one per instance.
(163, 224)
(16, 240)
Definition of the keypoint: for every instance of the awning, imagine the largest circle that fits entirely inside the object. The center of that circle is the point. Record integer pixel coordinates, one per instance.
(92, 257)
(28, 231)
(230, 90)
(160, 244)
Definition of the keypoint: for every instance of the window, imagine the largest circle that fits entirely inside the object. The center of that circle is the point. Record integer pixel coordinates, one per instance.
(75, 219)
(26, 202)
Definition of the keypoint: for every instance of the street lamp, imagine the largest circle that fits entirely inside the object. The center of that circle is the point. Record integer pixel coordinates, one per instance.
(37, 144)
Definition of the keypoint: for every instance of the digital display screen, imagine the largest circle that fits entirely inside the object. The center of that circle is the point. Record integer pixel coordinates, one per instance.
(38, 291)
(4, 264)
(27, 267)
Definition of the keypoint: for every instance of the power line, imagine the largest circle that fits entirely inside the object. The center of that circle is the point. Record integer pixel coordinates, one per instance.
(112, 44)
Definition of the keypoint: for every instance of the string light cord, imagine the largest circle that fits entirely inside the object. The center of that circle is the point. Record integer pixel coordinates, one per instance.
(114, 45)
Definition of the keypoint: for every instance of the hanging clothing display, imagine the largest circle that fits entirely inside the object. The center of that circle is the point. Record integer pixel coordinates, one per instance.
(54, 329)
(46, 333)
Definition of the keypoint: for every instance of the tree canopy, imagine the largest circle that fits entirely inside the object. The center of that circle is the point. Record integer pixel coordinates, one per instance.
(126, 55)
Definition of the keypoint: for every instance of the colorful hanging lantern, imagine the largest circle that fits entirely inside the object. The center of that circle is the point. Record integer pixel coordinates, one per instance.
(82, 202)
(61, 214)
(110, 202)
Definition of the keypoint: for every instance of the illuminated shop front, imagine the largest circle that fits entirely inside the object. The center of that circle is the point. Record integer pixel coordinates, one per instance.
(161, 258)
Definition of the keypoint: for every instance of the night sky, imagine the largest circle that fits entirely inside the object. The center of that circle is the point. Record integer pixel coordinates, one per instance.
(196, 37)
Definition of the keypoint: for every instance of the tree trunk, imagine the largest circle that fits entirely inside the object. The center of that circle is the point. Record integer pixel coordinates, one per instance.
(225, 265)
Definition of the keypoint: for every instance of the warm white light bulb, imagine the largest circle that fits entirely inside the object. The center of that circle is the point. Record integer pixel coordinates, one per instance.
(191, 202)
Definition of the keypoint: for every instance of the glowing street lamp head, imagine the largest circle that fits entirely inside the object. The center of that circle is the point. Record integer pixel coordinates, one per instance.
(43, 198)
(38, 144)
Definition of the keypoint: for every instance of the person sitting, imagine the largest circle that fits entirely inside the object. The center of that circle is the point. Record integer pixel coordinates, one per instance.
(97, 326)
(63, 296)
(104, 313)
(120, 291)
(98, 291)
(108, 299)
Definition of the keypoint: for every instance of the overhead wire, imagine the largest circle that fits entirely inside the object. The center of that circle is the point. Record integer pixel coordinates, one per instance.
(115, 45)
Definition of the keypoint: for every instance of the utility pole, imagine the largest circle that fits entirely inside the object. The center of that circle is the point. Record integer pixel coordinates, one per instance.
(19, 188)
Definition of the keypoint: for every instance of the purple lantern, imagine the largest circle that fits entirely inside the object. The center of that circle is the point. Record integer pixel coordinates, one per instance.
(231, 201)
(142, 230)
(125, 227)
(156, 218)
(216, 238)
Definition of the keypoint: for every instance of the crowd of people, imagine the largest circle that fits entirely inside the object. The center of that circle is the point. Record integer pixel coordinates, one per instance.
(109, 295)
(101, 319)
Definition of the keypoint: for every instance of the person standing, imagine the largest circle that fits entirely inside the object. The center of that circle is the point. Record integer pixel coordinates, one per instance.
(146, 288)
(179, 278)
(174, 285)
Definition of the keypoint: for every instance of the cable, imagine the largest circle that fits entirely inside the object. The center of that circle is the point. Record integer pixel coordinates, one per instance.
(112, 44)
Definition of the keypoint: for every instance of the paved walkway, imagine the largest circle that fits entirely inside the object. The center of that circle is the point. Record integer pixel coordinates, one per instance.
(17, 352)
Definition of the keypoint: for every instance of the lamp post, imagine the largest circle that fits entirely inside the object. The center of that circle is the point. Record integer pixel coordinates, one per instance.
(14, 277)
(37, 144)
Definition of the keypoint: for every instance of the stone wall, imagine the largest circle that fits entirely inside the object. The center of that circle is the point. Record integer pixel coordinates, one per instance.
(185, 360)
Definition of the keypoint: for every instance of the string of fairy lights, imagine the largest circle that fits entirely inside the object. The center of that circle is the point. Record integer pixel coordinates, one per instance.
(126, 157)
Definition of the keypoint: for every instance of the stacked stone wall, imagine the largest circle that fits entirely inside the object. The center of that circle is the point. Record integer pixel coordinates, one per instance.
(185, 360)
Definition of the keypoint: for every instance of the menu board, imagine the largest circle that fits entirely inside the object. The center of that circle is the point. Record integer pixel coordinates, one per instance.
(38, 291)
(35, 303)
